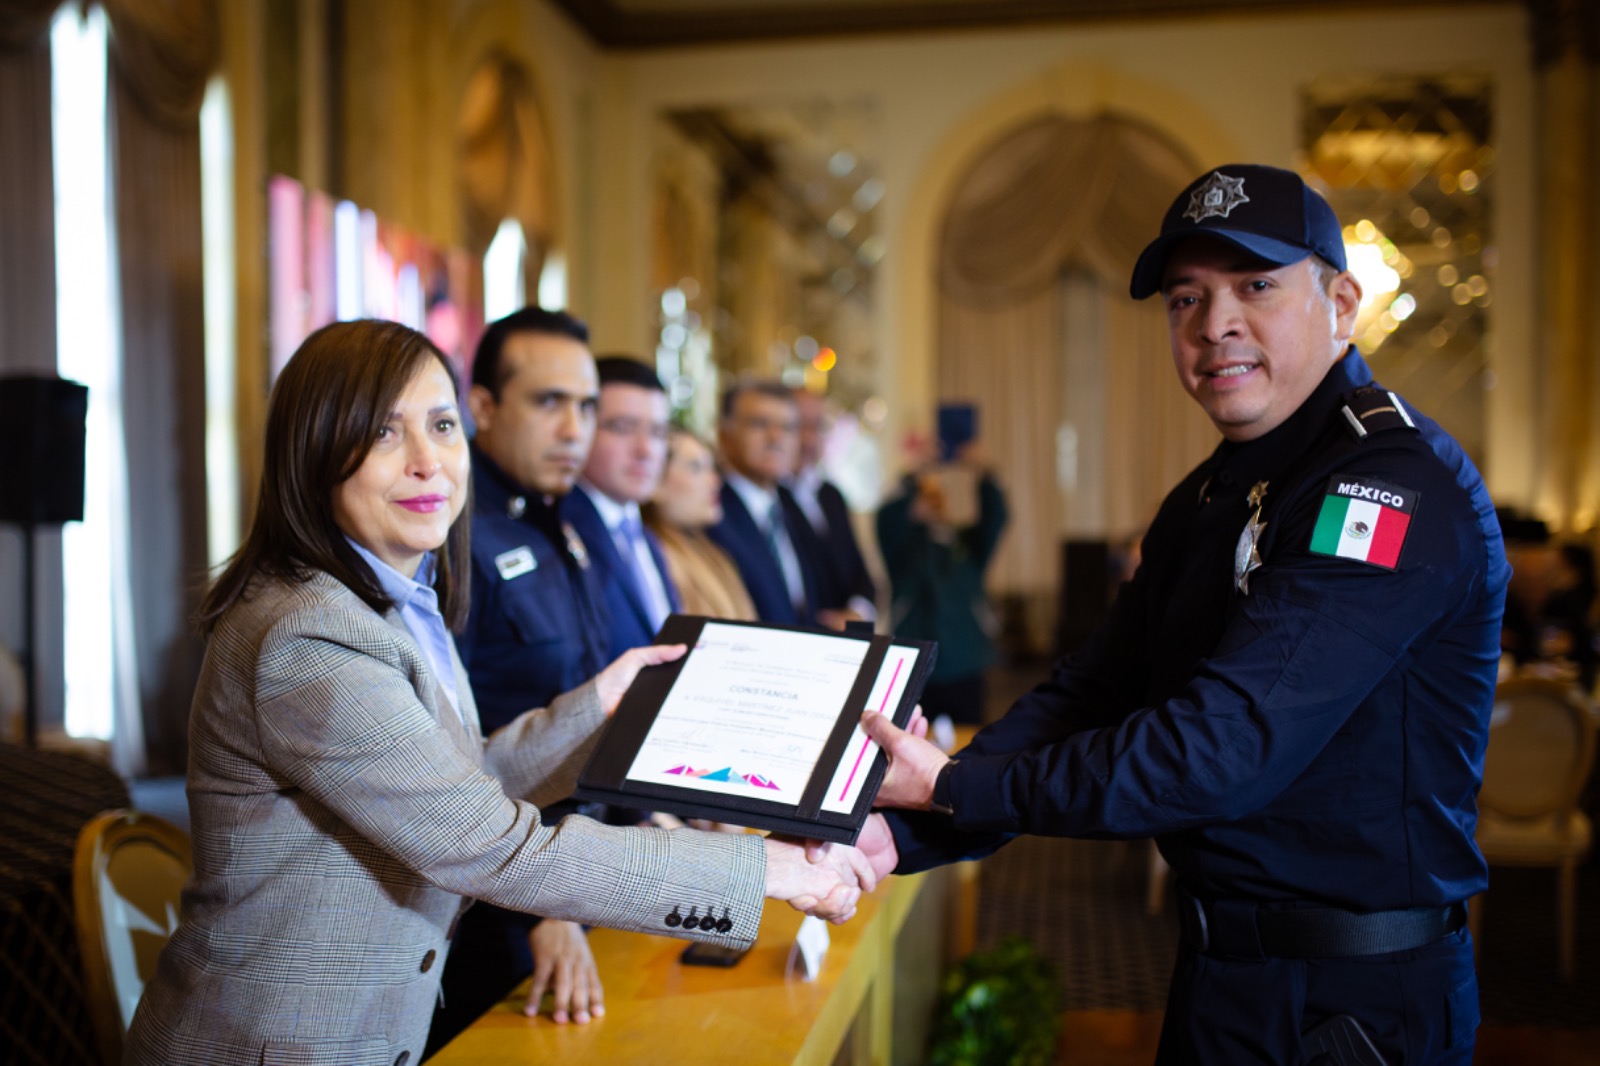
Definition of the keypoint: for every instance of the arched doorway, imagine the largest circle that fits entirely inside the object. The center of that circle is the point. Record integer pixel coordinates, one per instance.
(504, 166)
(1077, 404)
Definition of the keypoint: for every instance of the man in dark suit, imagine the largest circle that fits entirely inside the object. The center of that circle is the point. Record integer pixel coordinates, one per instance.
(848, 584)
(624, 468)
(538, 624)
(762, 529)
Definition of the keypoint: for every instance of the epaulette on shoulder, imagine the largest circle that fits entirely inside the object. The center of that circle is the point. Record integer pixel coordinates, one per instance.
(1369, 410)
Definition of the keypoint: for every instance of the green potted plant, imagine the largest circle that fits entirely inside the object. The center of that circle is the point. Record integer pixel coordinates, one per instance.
(998, 1006)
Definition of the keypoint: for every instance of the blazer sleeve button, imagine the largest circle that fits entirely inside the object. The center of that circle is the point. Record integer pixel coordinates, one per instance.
(427, 960)
(402, 1058)
(674, 919)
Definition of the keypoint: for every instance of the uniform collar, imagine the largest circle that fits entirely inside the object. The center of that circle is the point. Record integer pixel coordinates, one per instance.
(494, 493)
(1242, 465)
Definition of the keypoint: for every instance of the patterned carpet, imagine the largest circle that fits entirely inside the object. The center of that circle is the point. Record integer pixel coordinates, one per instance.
(1082, 904)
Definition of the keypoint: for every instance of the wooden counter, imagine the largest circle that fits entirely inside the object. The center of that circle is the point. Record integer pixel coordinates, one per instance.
(870, 1004)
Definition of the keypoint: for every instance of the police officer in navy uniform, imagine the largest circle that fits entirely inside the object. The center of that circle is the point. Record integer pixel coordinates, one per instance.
(1292, 693)
(538, 625)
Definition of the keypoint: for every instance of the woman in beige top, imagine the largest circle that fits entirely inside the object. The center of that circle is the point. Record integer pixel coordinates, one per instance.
(686, 503)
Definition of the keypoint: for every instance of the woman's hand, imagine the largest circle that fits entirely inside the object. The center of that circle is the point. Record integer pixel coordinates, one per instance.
(563, 963)
(614, 680)
(828, 888)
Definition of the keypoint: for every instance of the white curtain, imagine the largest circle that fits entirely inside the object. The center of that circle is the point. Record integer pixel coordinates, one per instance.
(1055, 195)
(162, 55)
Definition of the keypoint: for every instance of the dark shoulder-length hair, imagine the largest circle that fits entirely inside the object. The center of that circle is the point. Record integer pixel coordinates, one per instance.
(324, 416)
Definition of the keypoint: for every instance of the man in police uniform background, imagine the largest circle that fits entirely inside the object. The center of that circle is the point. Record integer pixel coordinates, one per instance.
(538, 625)
(1291, 694)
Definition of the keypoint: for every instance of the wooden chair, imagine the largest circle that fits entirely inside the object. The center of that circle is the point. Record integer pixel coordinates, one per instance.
(126, 879)
(1541, 749)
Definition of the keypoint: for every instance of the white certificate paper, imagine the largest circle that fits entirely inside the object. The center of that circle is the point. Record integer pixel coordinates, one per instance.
(893, 677)
(750, 712)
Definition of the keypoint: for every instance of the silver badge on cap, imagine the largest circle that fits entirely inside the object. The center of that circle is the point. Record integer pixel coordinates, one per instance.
(1218, 195)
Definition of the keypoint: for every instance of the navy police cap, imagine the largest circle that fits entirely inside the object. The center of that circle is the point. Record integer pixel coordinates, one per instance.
(1268, 212)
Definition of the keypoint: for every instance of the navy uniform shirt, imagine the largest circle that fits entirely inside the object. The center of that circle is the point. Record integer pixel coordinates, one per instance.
(1316, 735)
(538, 626)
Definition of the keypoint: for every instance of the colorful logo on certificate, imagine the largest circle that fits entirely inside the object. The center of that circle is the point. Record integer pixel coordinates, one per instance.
(727, 775)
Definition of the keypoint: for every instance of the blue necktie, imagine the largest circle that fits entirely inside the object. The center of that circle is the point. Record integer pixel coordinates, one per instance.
(792, 578)
(634, 550)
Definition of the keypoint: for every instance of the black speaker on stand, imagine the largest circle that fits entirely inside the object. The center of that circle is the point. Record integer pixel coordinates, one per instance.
(42, 423)
(1085, 592)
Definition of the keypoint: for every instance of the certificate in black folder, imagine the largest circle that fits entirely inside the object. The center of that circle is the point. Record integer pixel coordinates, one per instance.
(758, 725)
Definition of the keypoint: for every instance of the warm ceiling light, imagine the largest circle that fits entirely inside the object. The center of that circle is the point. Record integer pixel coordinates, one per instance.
(1379, 266)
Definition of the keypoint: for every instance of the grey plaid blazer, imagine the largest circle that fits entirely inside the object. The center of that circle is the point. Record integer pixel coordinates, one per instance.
(342, 810)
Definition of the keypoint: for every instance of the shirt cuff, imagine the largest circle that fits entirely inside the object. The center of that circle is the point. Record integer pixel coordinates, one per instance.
(863, 607)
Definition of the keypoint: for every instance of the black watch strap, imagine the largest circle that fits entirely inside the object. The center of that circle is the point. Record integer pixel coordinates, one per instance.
(941, 790)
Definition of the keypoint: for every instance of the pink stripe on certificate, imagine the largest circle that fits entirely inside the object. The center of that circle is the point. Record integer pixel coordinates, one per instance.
(865, 743)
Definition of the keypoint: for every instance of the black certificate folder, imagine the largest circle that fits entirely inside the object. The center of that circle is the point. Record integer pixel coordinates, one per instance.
(758, 725)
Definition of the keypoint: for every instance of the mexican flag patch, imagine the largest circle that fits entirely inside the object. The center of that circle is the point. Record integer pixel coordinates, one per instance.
(1364, 520)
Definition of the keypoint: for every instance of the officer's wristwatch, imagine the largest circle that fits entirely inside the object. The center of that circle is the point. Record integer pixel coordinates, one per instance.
(941, 790)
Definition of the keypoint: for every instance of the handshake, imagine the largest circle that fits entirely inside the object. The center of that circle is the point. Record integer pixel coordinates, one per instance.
(827, 880)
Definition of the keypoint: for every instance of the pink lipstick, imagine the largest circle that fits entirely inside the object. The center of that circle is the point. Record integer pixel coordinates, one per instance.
(423, 504)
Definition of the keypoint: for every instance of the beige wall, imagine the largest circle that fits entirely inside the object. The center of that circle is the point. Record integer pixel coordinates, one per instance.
(1226, 88)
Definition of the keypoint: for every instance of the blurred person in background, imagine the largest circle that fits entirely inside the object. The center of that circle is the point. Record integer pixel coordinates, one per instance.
(1528, 551)
(936, 578)
(687, 503)
(1568, 612)
(849, 593)
(763, 529)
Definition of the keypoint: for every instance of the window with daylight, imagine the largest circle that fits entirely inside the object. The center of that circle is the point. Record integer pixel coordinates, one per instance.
(95, 551)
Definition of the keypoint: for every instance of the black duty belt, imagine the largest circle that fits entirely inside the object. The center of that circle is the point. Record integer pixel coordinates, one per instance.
(1243, 929)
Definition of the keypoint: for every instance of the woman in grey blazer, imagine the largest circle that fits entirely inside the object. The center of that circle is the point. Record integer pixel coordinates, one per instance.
(345, 807)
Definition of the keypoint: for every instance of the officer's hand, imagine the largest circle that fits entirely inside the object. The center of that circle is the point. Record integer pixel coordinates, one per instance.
(876, 844)
(614, 680)
(563, 962)
(913, 763)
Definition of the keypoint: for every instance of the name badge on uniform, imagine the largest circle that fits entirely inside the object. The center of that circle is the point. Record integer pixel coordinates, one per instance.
(515, 563)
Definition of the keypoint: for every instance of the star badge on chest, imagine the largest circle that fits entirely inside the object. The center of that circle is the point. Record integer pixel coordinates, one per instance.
(1247, 554)
(575, 546)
